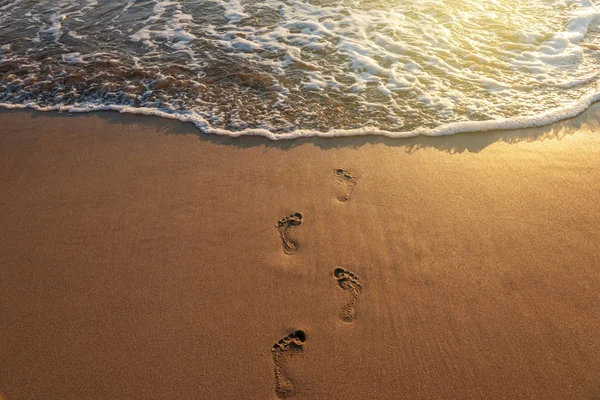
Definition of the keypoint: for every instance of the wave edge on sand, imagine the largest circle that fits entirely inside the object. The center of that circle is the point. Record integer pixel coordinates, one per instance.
(522, 122)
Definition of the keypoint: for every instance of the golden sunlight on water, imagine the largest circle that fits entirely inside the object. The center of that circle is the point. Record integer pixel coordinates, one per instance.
(308, 67)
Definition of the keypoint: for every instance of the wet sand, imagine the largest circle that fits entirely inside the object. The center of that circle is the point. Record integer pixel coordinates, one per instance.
(140, 259)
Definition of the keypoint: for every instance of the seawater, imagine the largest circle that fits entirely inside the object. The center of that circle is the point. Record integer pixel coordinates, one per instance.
(292, 68)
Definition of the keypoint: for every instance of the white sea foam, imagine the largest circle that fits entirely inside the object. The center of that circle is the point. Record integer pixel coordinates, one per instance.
(310, 68)
(54, 27)
(72, 58)
(234, 11)
(523, 122)
(426, 61)
(175, 29)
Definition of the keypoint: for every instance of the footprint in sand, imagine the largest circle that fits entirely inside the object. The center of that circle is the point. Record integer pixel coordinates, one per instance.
(290, 246)
(289, 346)
(349, 180)
(352, 287)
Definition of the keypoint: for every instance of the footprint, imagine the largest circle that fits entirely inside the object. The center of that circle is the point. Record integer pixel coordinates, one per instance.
(347, 178)
(289, 346)
(352, 286)
(290, 246)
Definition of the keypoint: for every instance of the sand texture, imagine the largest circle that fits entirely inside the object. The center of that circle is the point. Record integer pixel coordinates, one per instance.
(140, 259)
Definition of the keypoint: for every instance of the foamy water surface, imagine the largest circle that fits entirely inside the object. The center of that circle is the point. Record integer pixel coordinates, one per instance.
(293, 68)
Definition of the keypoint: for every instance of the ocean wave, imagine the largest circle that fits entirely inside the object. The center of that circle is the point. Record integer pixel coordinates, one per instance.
(522, 122)
(307, 67)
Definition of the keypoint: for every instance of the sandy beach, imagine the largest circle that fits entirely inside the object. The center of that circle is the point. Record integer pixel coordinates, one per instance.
(141, 259)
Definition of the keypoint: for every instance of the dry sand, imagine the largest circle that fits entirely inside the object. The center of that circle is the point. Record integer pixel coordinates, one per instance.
(140, 259)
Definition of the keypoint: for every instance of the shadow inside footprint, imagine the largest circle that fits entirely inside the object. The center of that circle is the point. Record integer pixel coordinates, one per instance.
(290, 246)
(349, 180)
(352, 287)
(287, 347)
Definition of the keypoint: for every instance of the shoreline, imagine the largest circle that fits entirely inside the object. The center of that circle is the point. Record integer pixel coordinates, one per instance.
(140, 259)
(541, 120)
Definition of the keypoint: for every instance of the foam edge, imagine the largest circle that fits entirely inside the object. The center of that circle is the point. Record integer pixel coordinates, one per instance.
(543, 119)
